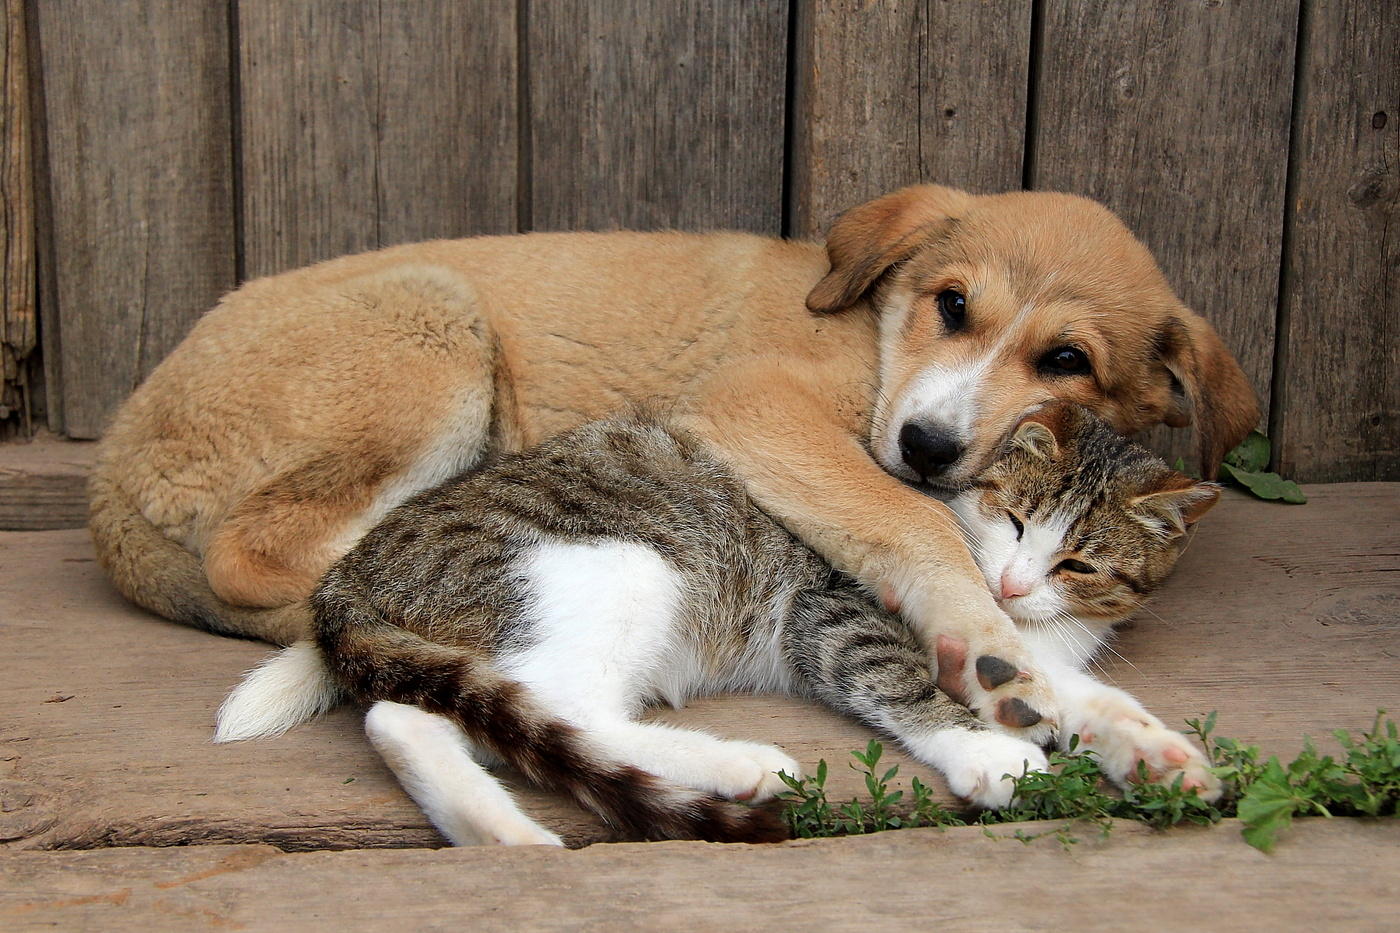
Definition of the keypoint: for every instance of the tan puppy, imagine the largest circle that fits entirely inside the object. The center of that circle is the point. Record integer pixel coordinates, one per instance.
(307, 404)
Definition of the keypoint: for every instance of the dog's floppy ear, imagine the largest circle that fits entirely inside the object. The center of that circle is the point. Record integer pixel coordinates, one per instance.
(867, 240)
(1208, 387)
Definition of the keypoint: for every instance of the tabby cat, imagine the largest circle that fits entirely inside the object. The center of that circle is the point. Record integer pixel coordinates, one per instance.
(528, 611)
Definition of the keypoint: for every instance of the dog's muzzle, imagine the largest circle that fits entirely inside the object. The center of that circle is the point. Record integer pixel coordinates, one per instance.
(929, 450)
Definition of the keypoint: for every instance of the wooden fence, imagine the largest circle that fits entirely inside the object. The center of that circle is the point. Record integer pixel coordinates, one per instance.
(182, 146)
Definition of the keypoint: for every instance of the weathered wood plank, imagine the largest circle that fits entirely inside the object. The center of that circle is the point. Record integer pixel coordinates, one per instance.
(1280, 618)
(18, 323)
(447, 154)
(43, 484)
(1176, 115)
(1327, 875)
(139, 153)
(889, 94)
(1341, 356)
(364, 124)
(656, 114)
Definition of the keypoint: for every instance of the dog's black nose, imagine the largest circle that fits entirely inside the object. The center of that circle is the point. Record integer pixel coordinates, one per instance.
(928, 450)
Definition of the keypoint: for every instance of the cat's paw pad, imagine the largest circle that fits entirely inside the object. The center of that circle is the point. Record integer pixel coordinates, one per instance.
(1125, 738)
(999, 690)
(980, 769)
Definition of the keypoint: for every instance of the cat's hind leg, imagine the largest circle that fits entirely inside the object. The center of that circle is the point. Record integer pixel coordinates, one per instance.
(604, 618)
(434, 762)
(738, 770)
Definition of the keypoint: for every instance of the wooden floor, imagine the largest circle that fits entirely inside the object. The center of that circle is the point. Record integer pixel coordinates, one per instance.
(1284, 619)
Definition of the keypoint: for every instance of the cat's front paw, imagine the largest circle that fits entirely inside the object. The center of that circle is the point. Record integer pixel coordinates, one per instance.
(998, 682)
(1123, 735)
(979, 765)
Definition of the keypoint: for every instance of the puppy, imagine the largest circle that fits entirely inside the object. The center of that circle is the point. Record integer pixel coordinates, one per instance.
(307, 404)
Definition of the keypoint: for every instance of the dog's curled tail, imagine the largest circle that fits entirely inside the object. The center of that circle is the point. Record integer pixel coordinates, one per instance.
(159, 574)
(377, 660)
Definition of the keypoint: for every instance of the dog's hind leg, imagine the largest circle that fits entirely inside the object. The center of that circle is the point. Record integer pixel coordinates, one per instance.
(378, 427)
(437, 766)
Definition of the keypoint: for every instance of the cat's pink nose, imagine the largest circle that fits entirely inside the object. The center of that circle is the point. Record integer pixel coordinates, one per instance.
(1011, 587)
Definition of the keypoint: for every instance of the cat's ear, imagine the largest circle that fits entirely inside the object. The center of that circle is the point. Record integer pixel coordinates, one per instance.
(1041, 432)
(868, 239)
(1179, 507)
(1208, 387)
(1036, 439)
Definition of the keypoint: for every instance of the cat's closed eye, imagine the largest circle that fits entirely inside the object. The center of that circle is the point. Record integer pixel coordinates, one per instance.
(1074, 566)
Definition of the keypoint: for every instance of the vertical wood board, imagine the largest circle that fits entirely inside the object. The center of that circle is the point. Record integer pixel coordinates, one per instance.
(1341, 360)
(657, 114)
(18, 323)
(138, 141)
(1176, 115)
(890, 94)
(364, 124)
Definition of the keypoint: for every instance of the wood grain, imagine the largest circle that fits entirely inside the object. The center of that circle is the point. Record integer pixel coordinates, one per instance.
(1280, 618)
(365, 123)
(650, 114)
(18, 322)
(141, 175)
(1326, 875)
(1340, 360)
(1176, 115)
(43, 484)
(889, 94)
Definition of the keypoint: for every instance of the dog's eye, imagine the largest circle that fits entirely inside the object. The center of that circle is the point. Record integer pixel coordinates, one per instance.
(1075, 566)
(1065, 361)
(1016, 522)
(952, 307)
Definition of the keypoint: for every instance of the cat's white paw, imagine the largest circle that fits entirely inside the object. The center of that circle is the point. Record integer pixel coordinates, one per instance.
(744, 771)
(770, 760)
(1121, 733)
(977, 763)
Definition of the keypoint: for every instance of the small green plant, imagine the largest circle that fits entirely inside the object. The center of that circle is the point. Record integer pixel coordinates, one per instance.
(1245, 467)
(810, 814)
(1264, 795)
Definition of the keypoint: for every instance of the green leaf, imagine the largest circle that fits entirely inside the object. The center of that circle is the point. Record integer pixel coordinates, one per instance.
(1252, 454)
(1267, 807)
(1265, 485)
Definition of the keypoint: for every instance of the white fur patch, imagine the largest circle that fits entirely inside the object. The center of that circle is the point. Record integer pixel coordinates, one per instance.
(287, 689)
(601, 617)
(975, 762)
(434, 762)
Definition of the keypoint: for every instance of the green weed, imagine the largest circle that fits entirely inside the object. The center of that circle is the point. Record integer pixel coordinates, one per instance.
(1264, 795)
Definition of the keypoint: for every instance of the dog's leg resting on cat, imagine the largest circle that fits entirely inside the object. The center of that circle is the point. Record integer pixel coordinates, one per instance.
(1112, 724)
(433, 760)
(815, 476)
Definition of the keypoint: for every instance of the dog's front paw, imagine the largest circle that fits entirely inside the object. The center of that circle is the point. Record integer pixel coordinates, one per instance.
(1124, 736)
(979, 765)
(1000, 685)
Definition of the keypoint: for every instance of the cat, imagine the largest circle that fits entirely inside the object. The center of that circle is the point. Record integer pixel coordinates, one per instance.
(526, 612)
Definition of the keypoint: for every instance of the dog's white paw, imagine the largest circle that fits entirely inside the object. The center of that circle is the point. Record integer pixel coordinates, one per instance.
(979, 764)
(1117, 729)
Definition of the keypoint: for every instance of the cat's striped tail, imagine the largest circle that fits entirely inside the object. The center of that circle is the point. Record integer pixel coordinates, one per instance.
(377, 660)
